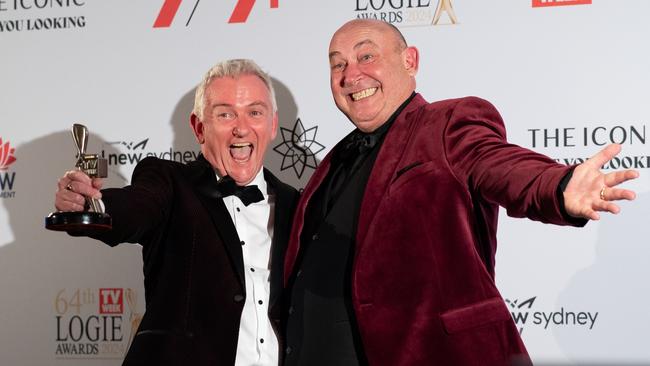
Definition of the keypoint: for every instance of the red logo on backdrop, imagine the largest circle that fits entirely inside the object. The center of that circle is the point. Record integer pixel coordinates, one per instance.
(6, 155)
(111, 301)
(545, 3)
(240, 14)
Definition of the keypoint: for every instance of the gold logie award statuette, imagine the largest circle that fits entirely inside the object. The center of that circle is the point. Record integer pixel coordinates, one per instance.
(93, 218)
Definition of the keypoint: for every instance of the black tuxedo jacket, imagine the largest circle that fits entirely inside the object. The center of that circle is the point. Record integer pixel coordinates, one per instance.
(193, 265)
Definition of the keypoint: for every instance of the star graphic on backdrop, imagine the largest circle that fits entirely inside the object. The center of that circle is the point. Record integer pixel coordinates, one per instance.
(298, 148)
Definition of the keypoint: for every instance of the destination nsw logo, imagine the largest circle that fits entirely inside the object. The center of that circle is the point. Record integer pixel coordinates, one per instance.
(407, 12)
(7, 178)
(137, 150)
(525, 314)
(95, 323)
(20, 12)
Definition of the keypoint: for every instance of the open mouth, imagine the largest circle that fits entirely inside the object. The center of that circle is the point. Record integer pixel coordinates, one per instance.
(365, 93)
(241, 152)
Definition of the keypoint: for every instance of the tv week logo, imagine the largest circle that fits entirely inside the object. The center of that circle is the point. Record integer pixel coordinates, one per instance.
(240, 13)
(111, 301)
(546, 3)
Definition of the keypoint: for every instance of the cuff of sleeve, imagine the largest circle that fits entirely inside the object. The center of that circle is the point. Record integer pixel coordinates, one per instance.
(575, 221)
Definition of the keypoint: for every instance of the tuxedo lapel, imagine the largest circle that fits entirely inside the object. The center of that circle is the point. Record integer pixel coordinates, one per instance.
(205, 181)
(385, 166)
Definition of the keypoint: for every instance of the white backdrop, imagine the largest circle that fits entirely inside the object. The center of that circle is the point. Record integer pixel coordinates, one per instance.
(566, 79)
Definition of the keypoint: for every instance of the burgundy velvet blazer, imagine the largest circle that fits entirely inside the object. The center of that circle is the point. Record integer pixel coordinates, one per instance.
(423, 286)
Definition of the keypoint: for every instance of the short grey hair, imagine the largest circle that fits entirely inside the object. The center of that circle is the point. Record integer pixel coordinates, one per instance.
(231, 68)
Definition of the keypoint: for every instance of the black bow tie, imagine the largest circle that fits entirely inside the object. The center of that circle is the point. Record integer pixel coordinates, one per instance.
(248, 194)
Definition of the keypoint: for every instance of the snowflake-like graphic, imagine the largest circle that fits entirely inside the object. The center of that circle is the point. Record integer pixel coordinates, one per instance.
(298, 148)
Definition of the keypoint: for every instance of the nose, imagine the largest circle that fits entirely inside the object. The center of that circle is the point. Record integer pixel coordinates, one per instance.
(351, 75)
(240, 128)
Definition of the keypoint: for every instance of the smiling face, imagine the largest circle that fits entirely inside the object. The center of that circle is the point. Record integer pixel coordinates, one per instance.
(372, 72)
(237, 126)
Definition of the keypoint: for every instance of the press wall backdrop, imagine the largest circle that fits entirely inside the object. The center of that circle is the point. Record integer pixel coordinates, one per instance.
(568, 76)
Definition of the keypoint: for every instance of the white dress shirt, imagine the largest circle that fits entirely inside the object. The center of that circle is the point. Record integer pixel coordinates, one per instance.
(257, 344)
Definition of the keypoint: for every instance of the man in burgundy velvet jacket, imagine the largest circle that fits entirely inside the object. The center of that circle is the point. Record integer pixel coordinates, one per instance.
(391, 255)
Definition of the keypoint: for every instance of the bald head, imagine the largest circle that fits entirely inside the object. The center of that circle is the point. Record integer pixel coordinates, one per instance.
(372, 71)
(391, 31)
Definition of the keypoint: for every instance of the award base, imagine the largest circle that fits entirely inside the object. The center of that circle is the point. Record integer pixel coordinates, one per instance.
(83, 221)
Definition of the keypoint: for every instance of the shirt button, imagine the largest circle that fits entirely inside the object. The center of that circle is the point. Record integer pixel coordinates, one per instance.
(261, 340)
(260, 302)
(252, 269)
(288, 350)
(242, 242)
(238, 209)
(238, 298)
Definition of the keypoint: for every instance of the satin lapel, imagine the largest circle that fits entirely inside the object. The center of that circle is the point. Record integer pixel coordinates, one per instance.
(299, 216)
(285, 198)
(385, 166)
(204, 181)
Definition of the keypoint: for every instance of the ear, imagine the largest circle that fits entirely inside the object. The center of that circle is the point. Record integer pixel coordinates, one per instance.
(274, 127)
(411, 59)
(197, 128)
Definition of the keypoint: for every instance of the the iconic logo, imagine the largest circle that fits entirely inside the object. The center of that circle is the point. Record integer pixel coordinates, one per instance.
(7, 178)
(407, 12)
(36, 24)
(239, 14)
(524, 316)
(93, 323)
(593, 136)
(299, 148)
(545, 3)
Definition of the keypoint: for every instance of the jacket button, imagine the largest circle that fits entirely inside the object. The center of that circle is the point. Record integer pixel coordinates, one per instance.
(238, 298)
(314, 237)
(291, 310)
(288, 350)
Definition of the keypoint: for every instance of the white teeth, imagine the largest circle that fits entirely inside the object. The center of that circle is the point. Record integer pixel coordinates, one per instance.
(241, 144)
(364, 94)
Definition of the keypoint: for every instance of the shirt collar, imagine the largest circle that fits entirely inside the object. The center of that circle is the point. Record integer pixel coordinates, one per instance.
(258, 181)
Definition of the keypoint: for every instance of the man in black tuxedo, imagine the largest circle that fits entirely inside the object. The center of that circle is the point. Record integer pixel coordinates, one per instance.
(209, 230)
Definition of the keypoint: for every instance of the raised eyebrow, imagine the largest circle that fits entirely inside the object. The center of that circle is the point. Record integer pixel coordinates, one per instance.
(363, 43)
(259, 103)
(356, 46)
(215, 105)
(334, 53)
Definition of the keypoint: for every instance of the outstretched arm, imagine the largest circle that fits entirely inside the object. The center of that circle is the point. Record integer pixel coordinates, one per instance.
(590, 190)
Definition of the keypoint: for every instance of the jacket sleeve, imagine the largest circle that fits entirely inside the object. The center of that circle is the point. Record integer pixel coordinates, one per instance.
(139, 210)
(522, 181)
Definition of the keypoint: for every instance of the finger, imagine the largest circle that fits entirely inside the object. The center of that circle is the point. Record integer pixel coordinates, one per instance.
(615, 194)
(591, 215)
(66, 200)
(84, 189)
(615, 178)
(604, 155)
(78, 176)
(607, 206)
(98, 183)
